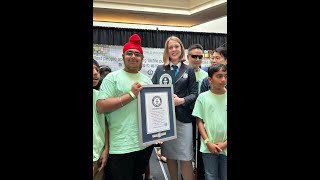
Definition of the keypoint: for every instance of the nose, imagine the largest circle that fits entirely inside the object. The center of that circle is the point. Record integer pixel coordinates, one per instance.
(224, 78)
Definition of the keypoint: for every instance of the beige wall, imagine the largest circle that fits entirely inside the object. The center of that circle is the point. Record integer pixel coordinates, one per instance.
(214, 26)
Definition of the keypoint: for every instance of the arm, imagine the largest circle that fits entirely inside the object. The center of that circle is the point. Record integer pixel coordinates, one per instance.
(192, 88)
(204, 85)
(114, 103)
(222, 145)
(213, 148)
(154, 77)
(105, 153)
(111, 104)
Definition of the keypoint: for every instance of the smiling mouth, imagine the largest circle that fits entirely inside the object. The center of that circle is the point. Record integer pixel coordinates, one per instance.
(133, 62)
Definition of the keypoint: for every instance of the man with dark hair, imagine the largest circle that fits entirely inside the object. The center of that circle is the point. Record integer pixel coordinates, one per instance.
(195, 56)
(219, 57)
(118, 100)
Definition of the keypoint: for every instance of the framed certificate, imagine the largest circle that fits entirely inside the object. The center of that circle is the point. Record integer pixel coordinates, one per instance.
(157, 118)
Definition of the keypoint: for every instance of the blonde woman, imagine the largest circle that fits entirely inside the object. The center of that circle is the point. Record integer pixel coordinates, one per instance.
(185, 94)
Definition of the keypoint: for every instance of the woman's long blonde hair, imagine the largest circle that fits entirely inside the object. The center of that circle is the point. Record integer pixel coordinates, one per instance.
(166, 57)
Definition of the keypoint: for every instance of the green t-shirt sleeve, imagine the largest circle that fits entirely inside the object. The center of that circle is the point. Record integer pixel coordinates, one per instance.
(198, 108)
(107, 88)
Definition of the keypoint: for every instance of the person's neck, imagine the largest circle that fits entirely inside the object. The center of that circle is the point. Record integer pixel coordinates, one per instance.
(131, 71)
(175, 62)
(218, 91)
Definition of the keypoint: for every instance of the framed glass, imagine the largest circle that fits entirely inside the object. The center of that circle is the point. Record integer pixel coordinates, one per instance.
(157, 118)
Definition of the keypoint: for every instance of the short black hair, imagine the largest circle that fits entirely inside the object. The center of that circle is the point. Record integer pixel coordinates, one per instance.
(215, 68)
(104, 68)
(195, 46)
(222, 50)
(96, 63)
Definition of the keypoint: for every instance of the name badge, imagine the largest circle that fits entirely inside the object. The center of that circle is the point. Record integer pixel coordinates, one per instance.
(185, 75)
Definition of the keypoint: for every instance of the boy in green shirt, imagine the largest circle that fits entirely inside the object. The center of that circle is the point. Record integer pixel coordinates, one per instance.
(210, 111)
(100, 131)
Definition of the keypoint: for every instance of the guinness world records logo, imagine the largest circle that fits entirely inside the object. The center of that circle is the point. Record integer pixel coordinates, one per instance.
(156, 101)
(165, 79)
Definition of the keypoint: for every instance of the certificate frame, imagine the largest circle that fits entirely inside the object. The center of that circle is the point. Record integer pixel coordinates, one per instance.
(160, 122)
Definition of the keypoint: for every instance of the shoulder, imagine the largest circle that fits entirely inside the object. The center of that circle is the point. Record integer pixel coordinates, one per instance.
(120, 71)
(189, 68)
(95, 91)
(114, 74)
(203, 72)
(145, 77)
(95, 94)
(202, 95)
(162, 67)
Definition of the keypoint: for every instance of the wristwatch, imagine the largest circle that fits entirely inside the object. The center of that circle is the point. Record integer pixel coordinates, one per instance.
(206, 141)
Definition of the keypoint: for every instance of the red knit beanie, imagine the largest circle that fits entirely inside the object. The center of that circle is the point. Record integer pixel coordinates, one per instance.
(134, 43)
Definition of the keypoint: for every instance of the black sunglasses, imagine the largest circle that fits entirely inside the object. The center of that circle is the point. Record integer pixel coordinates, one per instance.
(195, 56)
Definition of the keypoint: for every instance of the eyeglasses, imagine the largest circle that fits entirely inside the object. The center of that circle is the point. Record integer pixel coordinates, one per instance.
(197, 56)
(136, 54)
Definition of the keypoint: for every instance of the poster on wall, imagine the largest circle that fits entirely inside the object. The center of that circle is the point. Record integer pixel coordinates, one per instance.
(112, 57)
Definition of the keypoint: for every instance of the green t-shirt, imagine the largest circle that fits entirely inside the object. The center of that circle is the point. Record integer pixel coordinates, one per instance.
(212, 109)
(123, 122)
(99, 129)
(200, 75)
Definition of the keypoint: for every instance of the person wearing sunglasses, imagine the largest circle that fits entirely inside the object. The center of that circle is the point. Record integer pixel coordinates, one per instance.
(195, 56)
(219, 56)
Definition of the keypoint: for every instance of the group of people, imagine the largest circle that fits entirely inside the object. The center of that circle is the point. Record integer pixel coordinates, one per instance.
(117, 152)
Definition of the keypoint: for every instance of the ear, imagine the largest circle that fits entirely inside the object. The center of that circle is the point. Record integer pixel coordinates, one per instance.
(209, 79)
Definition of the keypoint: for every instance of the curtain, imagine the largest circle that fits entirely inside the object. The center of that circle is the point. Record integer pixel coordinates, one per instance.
(156, 38)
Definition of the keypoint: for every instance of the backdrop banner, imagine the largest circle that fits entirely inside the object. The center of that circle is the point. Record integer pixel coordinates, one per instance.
(112, 57)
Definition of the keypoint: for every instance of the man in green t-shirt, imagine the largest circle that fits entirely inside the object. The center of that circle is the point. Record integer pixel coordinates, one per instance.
(219, 56)
(118, 100)
(195, 57)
